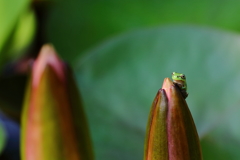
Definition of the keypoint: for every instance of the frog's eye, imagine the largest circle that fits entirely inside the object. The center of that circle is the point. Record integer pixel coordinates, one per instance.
(183, 76)
(173, 73)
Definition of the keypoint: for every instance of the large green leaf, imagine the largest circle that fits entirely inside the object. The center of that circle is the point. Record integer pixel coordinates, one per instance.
(120, 77)
(77, 25)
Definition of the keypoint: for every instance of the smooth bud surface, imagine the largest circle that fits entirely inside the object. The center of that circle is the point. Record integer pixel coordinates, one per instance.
(54, 125)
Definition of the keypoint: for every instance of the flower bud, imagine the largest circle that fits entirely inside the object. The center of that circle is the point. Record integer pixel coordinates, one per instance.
(54, 125)
(171, 132)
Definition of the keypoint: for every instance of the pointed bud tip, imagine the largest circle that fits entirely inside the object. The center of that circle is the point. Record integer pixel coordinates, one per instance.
(167, 84)
(47, 57)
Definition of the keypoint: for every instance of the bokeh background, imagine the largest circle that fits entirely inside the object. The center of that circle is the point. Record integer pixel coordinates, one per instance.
(120, 52)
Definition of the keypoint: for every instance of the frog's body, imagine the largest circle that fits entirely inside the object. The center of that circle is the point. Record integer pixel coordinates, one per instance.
(179, 79)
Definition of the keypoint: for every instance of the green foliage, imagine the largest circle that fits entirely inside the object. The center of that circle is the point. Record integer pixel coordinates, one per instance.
(79, 25)
(16, 30)
(120, 77)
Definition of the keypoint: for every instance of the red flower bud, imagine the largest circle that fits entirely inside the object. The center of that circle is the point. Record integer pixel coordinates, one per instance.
(53, 123)
(171, 132)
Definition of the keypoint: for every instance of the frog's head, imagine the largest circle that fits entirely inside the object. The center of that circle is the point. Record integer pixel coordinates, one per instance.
(178, 76)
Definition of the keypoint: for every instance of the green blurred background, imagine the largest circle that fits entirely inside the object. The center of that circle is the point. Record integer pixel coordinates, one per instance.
(120, 52)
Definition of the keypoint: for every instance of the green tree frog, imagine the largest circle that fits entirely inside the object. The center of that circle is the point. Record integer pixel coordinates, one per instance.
(180, 80)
